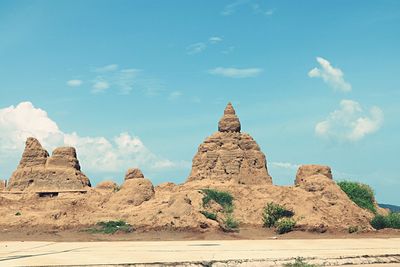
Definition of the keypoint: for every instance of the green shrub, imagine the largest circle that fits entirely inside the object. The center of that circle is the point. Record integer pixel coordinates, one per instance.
(359, 193)
(111, 227)
(299, 262)
(230, 224)
(18, 213)
(225, 199)
(209, 215)
(390, 221)
(273, 212)
(285, 225)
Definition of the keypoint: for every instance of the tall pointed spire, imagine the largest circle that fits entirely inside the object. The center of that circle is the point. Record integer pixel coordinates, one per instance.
(229, 122)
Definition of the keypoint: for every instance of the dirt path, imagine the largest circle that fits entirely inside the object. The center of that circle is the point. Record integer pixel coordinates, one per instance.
(201, 253)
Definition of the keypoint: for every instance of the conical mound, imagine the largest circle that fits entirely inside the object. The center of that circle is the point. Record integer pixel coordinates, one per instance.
(229, 121)
(229, 155)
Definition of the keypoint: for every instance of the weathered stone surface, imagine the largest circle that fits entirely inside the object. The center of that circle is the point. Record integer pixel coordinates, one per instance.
(133, 192)
(229, 121)
(306, 171)
(134, 173)
(39, 172)
(229, 155)
(107, 185)
(3, 184)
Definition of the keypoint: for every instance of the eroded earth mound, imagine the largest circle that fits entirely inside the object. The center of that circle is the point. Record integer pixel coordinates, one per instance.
(228, 161)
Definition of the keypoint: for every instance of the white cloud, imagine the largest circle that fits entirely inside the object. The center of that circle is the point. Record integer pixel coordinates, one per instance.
(125, 79)
(74, 83)
(334, 77)
(231, 8)
(174, 95)
(285, 165)
(215, 39)
(350, 122)
(100, 86)
(107, 68)
(96, 154)
(259, 10)
(235, 72)
(196, 48)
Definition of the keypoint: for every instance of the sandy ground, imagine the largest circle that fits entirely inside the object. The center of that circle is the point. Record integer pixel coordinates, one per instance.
(249, 233)
(201, 253)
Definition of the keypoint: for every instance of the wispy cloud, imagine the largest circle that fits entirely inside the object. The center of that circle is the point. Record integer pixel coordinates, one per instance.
(334, 77)
(174, 95)
(236, 72)
(350, 122)
(199, 47)
(196, 48)
(259, 10)
(285, 165)
(74, 83)
(215, 39)
(100, 86)
(107, 68)
(232, 7)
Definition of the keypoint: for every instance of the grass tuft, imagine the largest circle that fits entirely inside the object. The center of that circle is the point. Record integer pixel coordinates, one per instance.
(111, 227)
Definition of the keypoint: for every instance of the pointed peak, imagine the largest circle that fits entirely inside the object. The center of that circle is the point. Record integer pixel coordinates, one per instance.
(229, 109)
(32, 143)
(229, 121)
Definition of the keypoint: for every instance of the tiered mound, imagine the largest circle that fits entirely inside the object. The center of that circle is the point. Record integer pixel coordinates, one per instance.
(229, 155)
(39, 172)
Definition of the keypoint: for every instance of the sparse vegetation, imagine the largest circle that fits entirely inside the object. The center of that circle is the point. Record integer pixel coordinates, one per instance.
(390, 221)
(353, 229)
(18, 213)
(111, 227)
(225, 199)
(359, 193)
(230, 224)
(209, 215)
(299, 262)
(285, 225)
(273, 212)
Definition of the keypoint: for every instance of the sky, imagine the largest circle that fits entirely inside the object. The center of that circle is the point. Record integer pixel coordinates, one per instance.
(143, 83)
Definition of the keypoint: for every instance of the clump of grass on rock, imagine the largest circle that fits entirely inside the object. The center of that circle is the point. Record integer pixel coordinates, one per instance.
(228, 223)
(275, 215)
(111, 227)
(359, 193)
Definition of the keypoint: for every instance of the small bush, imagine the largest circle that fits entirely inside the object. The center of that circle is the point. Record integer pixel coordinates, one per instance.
(359, 193)
(299, 262)
(353, 229)
(18, 213)
(209, 215)
(273, 212)
(230, 224)
(390, 221)
(111, 227)
(225, 199)
(285, 225)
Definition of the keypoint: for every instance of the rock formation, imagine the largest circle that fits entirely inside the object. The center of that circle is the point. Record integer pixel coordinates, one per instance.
(305, 171)
(39, 172)
(229, 155)
(107, 185)
(133, 174)
(3, 184)
(134, 191)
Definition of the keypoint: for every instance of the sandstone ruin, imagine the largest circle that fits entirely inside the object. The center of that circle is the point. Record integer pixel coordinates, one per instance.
(39, 172)
(228, 161)
(229, 155)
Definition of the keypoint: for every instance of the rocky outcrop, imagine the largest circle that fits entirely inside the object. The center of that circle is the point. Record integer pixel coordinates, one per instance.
(3, 184)
(306, 171)
(134, 191)
(133, 173)
(39, 172)
(229, 155)
(107, 185)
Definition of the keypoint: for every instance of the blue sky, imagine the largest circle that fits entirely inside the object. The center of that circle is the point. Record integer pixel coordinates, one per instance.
(142, 83)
